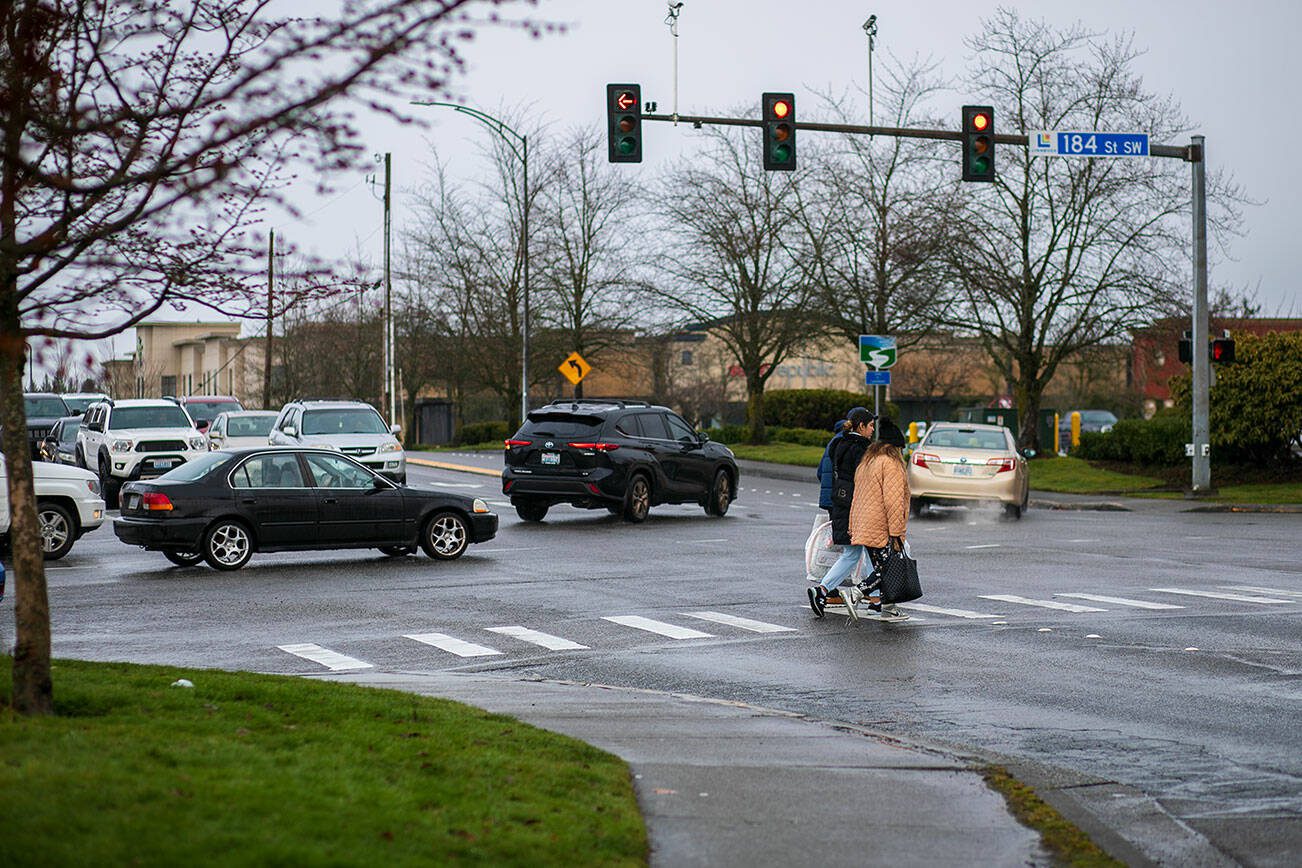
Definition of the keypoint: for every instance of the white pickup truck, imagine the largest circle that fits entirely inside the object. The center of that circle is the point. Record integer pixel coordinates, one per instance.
(68, 504)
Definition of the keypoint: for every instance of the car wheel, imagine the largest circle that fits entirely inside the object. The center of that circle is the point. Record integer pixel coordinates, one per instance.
(81, 458)
(58, 530)
(531, 510)
(1012, 511)
(227, 545)
(637, 500)
(917, 506)
(720, 497)
(183, 559)
(397, 551)
(446, 536)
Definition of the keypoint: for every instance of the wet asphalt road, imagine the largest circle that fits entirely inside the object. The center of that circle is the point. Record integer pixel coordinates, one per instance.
(1117, 695)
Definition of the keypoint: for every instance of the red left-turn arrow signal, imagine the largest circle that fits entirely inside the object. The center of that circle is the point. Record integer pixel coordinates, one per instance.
(625, 100)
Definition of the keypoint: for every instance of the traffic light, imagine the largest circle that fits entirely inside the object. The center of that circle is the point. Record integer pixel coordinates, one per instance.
(978, 143)
(624, 122)
(1186, 350)
(1223, 350)
(779, 131)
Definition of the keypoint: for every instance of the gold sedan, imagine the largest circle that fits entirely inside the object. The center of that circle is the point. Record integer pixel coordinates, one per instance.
(960, 462)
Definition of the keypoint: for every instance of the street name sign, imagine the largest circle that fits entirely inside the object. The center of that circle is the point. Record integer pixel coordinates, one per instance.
(877, 350)
(877, 378)
(1072, 143)
(574, 368)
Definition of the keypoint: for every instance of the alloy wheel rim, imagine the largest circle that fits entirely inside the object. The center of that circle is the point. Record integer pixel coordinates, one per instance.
(641, 498)
(723, 499)
(229, 544)
(54, 530)
(448, 535)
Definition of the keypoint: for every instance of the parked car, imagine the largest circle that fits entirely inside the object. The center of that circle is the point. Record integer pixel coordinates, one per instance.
(959, 462)
(205, 408)
(68, 505)
(79, 402)
(241, 428)
(1090, 420)
(60, 445)
(137, 438)
(43, 409)
(623, 456)
(351, 427)
(226, 505)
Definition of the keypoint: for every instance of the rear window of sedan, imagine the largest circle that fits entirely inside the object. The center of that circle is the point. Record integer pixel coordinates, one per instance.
(197, 469)
(561, 425)
(967, 438)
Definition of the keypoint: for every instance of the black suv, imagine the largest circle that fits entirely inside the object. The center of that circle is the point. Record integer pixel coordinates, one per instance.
(624, 456)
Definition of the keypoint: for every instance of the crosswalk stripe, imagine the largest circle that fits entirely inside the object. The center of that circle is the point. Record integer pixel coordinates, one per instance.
(1043, 604)
(957, 613)
(1216, 595)
(1121, 601)
(332, 660)
(546, 640)
(673, 631)
(461, 648)
(743, 623)
(1248, 588)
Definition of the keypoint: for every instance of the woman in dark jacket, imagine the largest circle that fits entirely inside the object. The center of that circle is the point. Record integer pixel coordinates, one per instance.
(825, 474)
(846, 454)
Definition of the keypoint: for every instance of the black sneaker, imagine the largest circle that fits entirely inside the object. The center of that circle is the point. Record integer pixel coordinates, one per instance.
(817, 600)
(872, 596)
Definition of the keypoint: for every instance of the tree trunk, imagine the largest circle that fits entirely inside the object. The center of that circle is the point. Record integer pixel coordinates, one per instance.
(755, 409)
(1029, 394)
(33, 692)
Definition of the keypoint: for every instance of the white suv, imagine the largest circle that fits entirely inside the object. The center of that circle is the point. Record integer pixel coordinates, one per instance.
(136, 439)
(351, 427)
(68, 505)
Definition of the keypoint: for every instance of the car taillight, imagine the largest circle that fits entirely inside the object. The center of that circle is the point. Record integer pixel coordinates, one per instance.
(921, 458)
(512, 444)
(597, 447)
(156, 501)
(1002, 463)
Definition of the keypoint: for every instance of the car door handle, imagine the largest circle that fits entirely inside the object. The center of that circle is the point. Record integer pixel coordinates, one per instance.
(332, 500)
(249, 500)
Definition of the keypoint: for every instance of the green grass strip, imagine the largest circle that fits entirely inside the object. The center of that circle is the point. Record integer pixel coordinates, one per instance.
(1077, 476)
(247, 769)
(780, 453)
(1068, 844)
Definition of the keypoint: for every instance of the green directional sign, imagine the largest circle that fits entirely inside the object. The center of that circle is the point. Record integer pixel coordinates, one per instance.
(877, 350)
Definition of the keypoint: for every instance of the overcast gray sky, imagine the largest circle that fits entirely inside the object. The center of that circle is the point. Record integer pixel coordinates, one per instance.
(1232, 67)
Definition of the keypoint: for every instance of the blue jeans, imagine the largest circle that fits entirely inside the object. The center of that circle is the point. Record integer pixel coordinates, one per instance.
(844, 566)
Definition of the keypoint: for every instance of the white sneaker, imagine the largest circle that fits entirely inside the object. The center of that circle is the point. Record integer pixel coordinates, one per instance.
(853, 596)
(892, 613)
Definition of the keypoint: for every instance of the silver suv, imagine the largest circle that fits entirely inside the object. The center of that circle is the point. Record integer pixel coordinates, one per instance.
(136, 439)
(351, 427)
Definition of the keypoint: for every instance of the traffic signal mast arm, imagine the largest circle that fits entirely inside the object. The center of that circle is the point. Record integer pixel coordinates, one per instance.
(1183, 152)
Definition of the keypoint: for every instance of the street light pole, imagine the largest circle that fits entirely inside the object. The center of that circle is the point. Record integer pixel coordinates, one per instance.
(512, 139)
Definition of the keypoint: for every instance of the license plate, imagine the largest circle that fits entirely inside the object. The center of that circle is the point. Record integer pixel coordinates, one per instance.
(162, 462)
(133, 500)
(962, 469)
(552, 458)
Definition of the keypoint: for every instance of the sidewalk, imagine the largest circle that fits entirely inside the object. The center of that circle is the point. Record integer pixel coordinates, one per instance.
(722, 783)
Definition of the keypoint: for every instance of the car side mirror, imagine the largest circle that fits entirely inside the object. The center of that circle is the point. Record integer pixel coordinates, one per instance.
(1028, 453)
(290, 431)
(201, 424)
(378, 483)
(395, 430)
(704, 438)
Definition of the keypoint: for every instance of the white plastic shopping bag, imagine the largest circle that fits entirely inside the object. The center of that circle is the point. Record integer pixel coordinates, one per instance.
(821, 553)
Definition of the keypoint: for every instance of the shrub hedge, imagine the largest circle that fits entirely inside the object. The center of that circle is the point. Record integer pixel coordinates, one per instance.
(483, 432)
(810, 408)
(1158, 441)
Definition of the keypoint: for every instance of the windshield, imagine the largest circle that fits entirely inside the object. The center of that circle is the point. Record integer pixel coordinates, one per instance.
(79, 405)
(68, 433)
(149, 417)
(1098, 417)
(210, 409)
(249, 426)
(196, 469)
(360, 421)
(45, 407)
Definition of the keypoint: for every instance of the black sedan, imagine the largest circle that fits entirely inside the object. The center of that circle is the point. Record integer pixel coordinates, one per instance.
(224, 506)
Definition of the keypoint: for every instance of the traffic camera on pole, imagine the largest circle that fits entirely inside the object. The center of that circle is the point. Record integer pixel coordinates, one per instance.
(978, 143)
(779, 131)
(624, 122)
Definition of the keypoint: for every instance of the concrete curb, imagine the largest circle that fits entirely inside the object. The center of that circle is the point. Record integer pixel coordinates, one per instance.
(447, 465)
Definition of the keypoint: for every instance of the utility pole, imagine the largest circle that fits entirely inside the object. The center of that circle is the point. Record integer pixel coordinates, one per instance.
(1201, 387)
(266, 359)
(388, 391)
(870, 28)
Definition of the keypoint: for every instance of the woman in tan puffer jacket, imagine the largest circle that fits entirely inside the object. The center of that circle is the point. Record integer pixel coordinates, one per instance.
(879, 513)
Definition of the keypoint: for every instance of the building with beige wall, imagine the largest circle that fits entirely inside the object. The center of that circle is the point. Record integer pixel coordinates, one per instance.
(197, 358)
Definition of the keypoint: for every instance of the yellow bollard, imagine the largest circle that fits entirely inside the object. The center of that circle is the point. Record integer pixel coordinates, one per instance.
(1075, 428)
(1057, 447)
(913, 432)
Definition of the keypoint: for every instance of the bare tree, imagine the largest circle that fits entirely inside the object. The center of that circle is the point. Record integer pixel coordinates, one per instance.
(730, 262)
(140, 140)
(1063, 254)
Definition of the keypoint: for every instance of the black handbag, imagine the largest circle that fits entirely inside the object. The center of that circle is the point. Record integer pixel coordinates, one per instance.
(899, 574)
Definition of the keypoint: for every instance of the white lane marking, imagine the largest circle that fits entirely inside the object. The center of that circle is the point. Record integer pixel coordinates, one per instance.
(458, 647)
(720, 539)
(1238, 598)
(1043, 604)
(984, 546)
(957, 613)
(743, 623)
(1121, 601)
(1082, 540)
(479, 550)
(332, 660)
(1248, 588)
(673, 631)
(456, 484)
(546, 640)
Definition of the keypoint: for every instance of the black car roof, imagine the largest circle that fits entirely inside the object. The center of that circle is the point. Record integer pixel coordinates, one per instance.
(594, 406)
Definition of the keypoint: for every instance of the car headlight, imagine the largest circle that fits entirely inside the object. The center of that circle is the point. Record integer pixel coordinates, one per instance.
(121, 445)
(479, 506)
(199, 442)
(390, 447)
